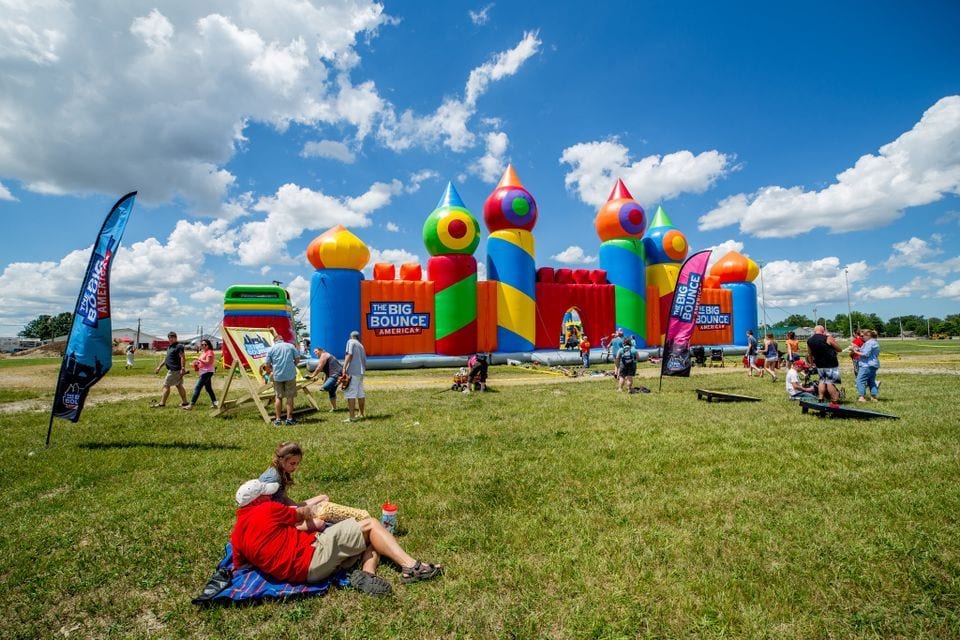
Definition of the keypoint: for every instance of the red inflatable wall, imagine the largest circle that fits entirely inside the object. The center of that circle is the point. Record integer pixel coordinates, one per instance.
(594, 302)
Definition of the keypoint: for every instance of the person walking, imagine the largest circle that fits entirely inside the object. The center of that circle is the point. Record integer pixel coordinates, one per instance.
(281, 364)
(206, 365)
(355, 365)
(176, 363)
(771, 354)
(752, 355)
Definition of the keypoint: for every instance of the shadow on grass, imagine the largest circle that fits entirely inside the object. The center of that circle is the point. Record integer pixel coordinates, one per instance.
(129, 444)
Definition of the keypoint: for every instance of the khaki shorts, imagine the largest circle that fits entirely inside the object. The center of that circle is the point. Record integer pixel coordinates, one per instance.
(354, 390)
(285, 388)
(173, 378)
(336, 546)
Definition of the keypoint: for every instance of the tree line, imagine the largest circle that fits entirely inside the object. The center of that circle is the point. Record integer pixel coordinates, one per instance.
(918, 325)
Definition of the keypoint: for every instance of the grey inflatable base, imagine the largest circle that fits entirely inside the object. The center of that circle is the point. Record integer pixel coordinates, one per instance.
(547, 357)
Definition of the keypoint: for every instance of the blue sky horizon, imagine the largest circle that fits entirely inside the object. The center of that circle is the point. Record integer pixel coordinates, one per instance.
(823, 142)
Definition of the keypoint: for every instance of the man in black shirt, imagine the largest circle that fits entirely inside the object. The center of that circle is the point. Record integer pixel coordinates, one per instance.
(823, 350)
(175, 362)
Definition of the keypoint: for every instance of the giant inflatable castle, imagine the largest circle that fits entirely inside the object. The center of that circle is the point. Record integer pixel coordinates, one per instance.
(412, 318)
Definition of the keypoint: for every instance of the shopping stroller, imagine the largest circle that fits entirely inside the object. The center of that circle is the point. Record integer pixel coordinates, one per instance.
(460, 379)
(699, 355)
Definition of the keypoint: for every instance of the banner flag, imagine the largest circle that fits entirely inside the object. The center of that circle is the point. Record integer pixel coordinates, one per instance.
(683, 316)
(89, 351)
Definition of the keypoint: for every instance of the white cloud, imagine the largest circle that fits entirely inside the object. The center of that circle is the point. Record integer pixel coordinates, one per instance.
(207, 294)
(951, 290)
(392, 227)
(597, 165)
(448, 124)
(949, 217)
(299, 290)
(916, 253)
(788, 283)
(919, 167)
(490, 166)
(573, 255)
(329, 149)
(294, 209)
(481, 16)
(110, 97)
(6, 195)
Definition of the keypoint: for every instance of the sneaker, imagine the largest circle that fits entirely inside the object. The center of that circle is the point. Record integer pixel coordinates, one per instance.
(278, 422)
(347, 420)
(215, 404)
(290, 421)
(187, 407)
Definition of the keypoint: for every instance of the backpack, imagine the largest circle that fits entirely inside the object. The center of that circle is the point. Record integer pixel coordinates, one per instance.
(626, 355)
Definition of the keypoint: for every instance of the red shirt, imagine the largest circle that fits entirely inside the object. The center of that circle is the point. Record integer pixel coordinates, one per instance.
(584, 346)
(857, 342)
(266, 537)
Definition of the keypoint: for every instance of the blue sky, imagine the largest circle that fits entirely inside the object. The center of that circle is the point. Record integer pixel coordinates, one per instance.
(814, 139)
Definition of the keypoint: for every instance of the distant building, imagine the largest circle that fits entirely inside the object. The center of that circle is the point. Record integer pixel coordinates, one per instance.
(12, 345)
(125, 335)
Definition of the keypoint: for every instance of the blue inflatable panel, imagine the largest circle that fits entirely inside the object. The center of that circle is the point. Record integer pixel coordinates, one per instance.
(744, 296)
(334, 308)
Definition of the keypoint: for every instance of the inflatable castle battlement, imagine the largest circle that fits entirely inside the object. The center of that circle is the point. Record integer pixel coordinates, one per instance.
(519, 308)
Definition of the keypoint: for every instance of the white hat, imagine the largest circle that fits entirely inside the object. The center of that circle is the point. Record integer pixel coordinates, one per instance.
(253, 489)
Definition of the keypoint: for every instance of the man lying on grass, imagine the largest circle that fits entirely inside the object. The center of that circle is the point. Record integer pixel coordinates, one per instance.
(267, 537)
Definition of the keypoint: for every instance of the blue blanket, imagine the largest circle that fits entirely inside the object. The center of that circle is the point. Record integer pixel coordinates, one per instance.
(247, 583)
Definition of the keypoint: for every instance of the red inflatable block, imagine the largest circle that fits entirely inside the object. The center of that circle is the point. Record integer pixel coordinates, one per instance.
(581, 276)
(411, 271)
(598, 276)
(563, 276)
(545, 274)
(384, 271)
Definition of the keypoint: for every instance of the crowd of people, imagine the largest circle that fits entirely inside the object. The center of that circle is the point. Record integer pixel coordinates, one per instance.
(823, 360)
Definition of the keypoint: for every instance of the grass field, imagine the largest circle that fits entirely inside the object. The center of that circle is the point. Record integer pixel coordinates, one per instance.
(561, 509)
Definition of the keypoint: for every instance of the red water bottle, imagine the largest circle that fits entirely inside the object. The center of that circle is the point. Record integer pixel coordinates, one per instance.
(389, 517)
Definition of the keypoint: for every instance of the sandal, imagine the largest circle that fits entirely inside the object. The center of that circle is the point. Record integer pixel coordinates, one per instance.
(420, 571)
(157, 405)
(369, 583)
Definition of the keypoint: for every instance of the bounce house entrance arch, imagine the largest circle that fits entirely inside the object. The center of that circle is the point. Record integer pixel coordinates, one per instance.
(571, 333)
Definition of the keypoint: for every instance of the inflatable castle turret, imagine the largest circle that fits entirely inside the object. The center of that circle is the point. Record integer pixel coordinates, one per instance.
(666, 249)
(620, 224)
(451, 235)
(510, 214)
(339, 258)
(736, 273)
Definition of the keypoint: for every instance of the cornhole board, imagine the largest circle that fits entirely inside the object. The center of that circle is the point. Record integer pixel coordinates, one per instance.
(720, 396)
(248, 348)
(822, 410)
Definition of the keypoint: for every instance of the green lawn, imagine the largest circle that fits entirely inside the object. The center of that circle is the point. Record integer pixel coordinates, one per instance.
(560, 510)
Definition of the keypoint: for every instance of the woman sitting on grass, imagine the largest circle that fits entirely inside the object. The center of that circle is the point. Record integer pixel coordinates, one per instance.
(286, 461)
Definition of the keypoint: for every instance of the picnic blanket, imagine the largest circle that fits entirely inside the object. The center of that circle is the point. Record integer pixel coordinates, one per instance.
(249, 584)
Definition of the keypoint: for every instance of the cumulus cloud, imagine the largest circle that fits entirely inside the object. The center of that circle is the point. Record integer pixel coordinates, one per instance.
(919, 167)
(950, 217)
(448, 124)
(6, 195)
(951, 290)
(573, 255)
(790, 283)
(917, 253)
(723, 248)
(597, 165)
(392, 227)
(330, 149)
(481, 16)
(207, 295)
(490, 166)
(105, 98)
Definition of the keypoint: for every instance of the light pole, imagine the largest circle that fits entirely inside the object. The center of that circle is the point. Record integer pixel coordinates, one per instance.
(763, 299)
(928, 328)
(849, 313)
(816, 318)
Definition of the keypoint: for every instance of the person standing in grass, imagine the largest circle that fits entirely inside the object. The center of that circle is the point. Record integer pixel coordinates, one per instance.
(281, 364)
(331, 369)
(585, 351)
(627, 365)
(793, 347)
(752, 355)
(206, 365)
(823, 349)
(855, 345)
(869, 354)
(771, 353)
(130, 350)
(616, 344)
(176, 364)
(266, 536)
(355, 364)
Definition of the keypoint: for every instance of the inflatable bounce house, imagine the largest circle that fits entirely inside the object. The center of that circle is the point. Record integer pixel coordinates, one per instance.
(254, 306)
(408, 320)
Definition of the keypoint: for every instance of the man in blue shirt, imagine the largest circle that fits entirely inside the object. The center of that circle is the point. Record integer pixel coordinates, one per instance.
(282, 362)
(615, 345)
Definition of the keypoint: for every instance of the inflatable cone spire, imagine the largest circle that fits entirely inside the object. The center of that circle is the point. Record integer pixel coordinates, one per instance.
(450, 198)
(510, 178)
(660, 219)
(619, 192)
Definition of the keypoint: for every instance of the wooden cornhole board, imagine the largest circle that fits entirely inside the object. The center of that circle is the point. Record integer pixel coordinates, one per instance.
(822, 410)
(720, 396)
(248, 347)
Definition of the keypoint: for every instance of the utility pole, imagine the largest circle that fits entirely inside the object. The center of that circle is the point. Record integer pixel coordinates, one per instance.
(849, 313)
(763, 299)
(901, 326)
(816, 318)
(928, 328)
